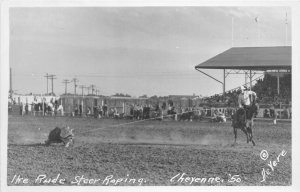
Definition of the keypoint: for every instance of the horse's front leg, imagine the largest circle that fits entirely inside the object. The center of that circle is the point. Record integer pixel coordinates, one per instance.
(250, 130)
(246, 133)
(251, 136)
(235, 135)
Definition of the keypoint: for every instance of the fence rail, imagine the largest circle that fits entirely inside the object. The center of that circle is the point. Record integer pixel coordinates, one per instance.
(281, 112)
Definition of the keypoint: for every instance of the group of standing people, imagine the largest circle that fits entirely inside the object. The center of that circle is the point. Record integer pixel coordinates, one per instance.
(97, 111)
(42, 107)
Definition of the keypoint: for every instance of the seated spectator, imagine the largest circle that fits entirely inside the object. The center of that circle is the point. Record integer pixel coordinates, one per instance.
(116, 113)
(219, 116)
(266, 113)
(285, 113)
(89, 111)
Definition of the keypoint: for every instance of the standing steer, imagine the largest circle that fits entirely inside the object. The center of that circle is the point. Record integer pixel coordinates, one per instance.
(60, 135)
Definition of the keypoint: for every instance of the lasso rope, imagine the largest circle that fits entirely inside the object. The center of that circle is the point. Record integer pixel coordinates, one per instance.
(138, 121)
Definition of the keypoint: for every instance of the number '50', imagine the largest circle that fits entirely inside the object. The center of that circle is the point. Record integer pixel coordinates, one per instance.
(234, 178)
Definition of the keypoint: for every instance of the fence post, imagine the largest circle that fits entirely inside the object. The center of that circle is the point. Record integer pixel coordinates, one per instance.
(123, 108)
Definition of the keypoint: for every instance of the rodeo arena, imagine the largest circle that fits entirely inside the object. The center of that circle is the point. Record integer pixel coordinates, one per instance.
(159, 140)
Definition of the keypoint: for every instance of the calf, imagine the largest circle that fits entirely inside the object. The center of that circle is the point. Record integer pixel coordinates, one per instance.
(63, 135)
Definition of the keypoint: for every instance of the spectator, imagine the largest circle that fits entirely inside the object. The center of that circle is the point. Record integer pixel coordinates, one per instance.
(96, 113)
(272, 111)
(266, 113)
(76, 110)
(89, 112)
(21, 109)
(105, 108)
(80, 110)
(285, 113)
(26, 109)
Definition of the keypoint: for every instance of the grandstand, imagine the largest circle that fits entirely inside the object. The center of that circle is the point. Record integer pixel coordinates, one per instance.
(274, 63)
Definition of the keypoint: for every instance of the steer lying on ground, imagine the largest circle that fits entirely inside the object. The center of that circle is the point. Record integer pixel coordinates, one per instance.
(60, 135)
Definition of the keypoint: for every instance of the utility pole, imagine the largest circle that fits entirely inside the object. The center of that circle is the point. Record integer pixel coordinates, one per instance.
(75, 85)
(52, 77)
(93, 88)
(88, 88)
(47, 76)
(82, 87)
(65, 81)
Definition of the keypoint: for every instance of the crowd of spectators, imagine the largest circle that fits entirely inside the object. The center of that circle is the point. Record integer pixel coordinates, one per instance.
(266, 90)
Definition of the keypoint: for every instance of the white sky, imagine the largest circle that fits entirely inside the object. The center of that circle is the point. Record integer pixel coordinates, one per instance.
(144, 50)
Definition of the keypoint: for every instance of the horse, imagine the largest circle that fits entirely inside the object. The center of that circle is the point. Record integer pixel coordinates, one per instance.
(244, 121)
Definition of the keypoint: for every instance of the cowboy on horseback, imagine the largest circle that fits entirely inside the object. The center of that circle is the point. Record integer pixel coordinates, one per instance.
(244, 100)
(243, 118)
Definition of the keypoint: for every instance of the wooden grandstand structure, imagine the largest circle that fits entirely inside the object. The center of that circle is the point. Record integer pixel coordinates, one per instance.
(250, 61)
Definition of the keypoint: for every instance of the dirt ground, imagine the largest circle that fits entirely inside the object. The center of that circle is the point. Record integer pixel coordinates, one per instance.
(147, 153)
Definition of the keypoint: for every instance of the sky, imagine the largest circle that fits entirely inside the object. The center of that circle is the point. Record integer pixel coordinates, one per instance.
(135, 50)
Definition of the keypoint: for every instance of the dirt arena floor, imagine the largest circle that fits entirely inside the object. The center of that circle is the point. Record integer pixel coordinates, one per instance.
(118, 152)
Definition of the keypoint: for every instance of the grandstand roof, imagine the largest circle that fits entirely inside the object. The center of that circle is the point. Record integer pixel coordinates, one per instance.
(251, 58)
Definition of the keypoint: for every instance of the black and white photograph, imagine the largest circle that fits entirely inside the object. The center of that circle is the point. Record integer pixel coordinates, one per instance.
(147, 96)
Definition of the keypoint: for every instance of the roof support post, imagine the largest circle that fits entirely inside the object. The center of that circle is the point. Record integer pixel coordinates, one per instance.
(250, 79)
(278, 90)
(224, 77)
(246, 77)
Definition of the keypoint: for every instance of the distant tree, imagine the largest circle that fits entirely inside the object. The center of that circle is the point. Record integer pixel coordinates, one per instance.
(143, 96)
(154, 97)
(121, 95)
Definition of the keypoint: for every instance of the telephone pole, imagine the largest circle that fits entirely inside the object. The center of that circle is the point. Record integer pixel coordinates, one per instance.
(65, 81)
(51, 77)
(82, 87)
(75, 85)
(88, 88)
(93, 88)
(47, 76)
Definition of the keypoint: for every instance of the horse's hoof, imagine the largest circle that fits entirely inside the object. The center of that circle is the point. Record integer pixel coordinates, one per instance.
(253, 143)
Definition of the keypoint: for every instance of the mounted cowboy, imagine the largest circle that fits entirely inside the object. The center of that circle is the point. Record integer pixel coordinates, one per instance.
(246, 99)
(243, 117)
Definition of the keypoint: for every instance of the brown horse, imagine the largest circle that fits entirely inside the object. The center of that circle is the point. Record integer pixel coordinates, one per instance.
(244, 121)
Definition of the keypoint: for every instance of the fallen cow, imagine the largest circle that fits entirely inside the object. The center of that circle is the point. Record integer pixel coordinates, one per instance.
(60, 135)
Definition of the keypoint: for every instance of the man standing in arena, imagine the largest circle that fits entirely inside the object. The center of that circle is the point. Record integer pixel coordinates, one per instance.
(245, 98)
